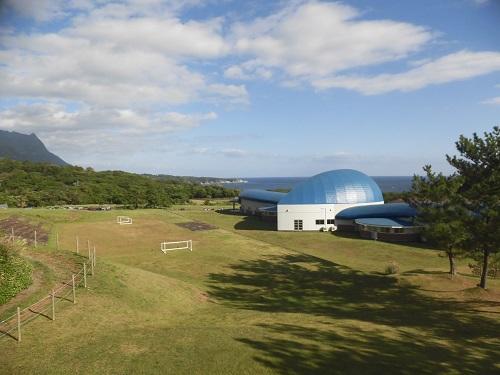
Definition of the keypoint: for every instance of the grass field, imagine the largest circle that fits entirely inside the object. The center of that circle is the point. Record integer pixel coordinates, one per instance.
(249, 300)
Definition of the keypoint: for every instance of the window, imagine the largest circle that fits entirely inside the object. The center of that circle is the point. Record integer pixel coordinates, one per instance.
(330, 221)
(320, 222)
(297, 225)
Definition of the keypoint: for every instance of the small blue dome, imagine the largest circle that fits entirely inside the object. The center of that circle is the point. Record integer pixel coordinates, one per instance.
(388, 210)
(262, 195)
(337, 186)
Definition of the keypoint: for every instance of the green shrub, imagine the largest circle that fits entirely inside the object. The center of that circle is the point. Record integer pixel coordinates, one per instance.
(15, 272)
(392, 268)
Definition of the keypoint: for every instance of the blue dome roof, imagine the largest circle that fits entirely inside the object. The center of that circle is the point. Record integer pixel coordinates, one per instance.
(337, 186)
(388, 210)
(262, 195)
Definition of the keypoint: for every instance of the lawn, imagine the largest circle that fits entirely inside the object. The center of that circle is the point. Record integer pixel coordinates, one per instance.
(249, 300)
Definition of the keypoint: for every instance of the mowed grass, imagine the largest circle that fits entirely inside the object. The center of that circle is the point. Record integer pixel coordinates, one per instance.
(249, 300)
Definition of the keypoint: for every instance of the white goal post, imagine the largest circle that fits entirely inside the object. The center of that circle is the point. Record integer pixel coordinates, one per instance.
(123, 220)
(176, 245)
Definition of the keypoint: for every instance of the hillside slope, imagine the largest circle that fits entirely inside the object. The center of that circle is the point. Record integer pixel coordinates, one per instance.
(28, 184)
(26, 147)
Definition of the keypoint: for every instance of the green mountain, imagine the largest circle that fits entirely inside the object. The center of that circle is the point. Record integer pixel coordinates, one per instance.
(24, 147)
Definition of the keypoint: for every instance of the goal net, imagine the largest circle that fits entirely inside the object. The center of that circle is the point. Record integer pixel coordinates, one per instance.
(176, 245)
(123, 220)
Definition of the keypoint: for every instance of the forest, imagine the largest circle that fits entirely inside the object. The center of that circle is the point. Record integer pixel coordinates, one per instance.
(27, 184)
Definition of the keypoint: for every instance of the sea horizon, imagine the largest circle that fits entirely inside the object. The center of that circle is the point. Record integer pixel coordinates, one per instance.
(388, 184)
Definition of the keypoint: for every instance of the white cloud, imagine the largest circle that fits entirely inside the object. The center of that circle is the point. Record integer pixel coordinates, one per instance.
(39, 10)
(235, 72)
(166, 35)
(46, 117)
(492, 101)
(115, 60)
(90, 130)
(124, 66)
(248, 70)
(235, 94)
(316, 39)
(49, 10)
(117, 72)
(453, 67)
(234, 153)
(321, 43)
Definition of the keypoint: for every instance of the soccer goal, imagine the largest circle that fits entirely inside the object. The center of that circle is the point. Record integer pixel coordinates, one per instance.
(176, 245)
(123, 220)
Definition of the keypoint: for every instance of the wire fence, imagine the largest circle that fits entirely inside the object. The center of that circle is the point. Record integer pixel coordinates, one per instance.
(11, 327)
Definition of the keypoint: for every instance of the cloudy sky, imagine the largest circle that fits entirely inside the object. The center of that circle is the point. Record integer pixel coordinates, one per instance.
(250, 88)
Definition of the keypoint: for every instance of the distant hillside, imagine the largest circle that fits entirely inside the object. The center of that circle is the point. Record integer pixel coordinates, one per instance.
(195, 179)
(24, 147)
(28, 184)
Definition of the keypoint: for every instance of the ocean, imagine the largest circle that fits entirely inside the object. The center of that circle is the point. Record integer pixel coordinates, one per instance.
(393, 184)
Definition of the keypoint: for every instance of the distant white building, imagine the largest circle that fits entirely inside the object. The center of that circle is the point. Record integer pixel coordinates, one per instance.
(3, 206)
(313, 204)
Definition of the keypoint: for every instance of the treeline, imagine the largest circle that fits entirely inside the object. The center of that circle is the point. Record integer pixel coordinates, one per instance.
(27, 184)
(391, 196)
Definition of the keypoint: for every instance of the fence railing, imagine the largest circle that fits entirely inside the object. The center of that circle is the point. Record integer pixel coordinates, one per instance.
(46, 306)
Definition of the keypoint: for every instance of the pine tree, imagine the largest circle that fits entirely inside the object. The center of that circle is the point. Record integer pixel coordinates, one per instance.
(436, 199)
(479, 166)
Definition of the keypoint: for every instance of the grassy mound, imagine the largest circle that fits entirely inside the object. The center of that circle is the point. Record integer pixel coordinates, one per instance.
(15, 272)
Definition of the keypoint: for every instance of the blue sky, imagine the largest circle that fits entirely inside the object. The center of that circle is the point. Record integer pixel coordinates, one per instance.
(261, 88)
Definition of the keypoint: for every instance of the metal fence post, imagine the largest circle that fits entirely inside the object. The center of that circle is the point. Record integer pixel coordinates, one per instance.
(88, 247)
(93, 258)
(85, 275)
(35, 238)
(12, 235)
(53, 305)
(74, 290)
(92, 266)
(57, 240)
(18, 324)
(77, 244)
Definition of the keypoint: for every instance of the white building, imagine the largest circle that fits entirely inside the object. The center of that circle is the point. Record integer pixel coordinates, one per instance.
(313, 204)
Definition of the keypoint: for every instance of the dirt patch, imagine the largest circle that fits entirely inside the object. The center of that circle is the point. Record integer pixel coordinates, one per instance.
(24, 229)
(203, 297)
(131, 349)
(196, 226)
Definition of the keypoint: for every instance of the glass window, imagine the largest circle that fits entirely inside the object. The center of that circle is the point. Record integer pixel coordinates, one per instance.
(297, 225)
(330, 221)
(320, 221)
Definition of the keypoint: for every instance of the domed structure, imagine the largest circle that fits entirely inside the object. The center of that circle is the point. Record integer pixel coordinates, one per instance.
(313, 204)
(342, 186)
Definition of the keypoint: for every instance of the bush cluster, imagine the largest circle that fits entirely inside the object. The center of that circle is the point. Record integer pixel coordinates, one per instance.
(15, 272)
(392, 268)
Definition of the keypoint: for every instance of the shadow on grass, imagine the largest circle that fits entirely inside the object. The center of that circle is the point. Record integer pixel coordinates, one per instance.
(414, 333)
(255, 223)
(419, 271)
(355, 235)
(230, 211)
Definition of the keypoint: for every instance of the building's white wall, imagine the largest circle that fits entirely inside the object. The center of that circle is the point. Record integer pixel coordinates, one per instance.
(250, 206)
(309, 213)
